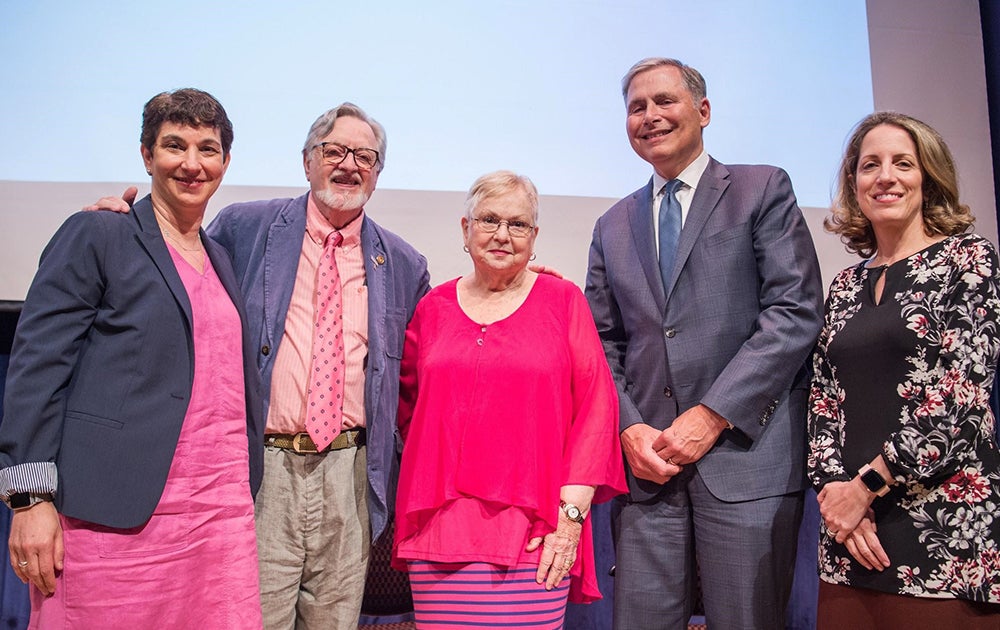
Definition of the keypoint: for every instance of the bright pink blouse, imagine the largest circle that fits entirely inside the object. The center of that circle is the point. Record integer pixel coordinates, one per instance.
(495, 419)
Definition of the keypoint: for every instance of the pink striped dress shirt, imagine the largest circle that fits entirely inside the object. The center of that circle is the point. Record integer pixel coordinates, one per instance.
(286, 413)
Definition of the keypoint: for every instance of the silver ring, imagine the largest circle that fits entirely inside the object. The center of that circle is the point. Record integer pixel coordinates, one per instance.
(22, 563)
(670, 460)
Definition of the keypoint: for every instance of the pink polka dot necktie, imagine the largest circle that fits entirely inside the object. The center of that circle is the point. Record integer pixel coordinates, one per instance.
(324, 408)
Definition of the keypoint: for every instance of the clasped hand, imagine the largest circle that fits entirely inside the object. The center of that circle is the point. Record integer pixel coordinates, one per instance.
(660, 455)
(842, 504)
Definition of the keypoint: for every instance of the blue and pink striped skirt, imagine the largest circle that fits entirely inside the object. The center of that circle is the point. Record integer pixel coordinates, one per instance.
(456, 595)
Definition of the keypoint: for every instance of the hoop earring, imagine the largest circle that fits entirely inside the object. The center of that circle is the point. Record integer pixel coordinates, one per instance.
(465, 248)
(533, 256)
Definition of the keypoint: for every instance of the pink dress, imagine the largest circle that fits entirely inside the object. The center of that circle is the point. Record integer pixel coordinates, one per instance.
(194, 563)
(495, 419)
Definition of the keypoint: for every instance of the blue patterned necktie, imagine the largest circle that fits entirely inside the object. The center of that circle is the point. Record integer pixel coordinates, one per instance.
(670, 231)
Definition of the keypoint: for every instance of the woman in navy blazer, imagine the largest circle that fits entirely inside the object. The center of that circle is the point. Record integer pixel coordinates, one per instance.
(132, 434)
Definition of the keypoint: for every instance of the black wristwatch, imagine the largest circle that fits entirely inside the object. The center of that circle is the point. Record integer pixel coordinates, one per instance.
(572, 512)
(21, 500)
(873, 480)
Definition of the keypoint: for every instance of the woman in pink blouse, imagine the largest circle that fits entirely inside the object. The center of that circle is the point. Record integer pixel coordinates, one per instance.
(509, 417)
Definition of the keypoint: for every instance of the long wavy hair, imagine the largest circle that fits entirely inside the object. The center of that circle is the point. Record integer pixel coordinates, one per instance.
(942, 211)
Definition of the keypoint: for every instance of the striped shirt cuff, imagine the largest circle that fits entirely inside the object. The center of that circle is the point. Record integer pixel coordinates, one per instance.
(31, 477)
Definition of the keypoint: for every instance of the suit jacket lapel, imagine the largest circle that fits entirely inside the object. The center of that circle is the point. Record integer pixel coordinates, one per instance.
(640, 218)
(713, 183)
(151, 239)
(281, 262)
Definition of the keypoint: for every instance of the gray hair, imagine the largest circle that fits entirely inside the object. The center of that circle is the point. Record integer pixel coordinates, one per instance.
(693, 80)
(497, 184)
(324, 124)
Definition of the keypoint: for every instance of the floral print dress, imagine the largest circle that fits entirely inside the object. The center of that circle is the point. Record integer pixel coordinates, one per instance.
(910, 377)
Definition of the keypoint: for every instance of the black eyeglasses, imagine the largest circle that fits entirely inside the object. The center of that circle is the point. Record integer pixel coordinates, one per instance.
(334, 154)
(491, 224)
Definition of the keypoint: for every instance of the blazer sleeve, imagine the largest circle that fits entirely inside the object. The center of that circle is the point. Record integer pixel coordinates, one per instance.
(58, 312)
(791, 302)
(610, 328)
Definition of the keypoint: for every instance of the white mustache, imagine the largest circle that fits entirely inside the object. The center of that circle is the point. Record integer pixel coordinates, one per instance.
(339, 174)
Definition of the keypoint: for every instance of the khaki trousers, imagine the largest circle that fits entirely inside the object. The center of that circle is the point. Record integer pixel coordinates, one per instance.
(313, 539)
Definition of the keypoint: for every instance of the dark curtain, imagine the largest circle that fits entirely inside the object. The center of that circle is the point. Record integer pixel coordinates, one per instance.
(14, 607)
(989, 12)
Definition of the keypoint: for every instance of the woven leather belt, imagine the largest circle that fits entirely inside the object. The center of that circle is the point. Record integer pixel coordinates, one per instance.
(302, 443)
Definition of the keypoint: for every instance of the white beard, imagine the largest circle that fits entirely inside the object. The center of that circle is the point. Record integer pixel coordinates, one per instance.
(341, 202)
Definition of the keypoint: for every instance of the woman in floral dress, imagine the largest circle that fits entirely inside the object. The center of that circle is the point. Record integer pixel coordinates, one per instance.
(902, 445)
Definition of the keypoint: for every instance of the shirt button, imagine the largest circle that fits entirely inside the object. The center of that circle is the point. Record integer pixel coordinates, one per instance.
(668, 392)
(479, 342)
(265, 350)
(669, 333)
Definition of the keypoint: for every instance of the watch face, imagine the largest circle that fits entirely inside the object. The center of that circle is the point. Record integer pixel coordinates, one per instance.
(19, 500)
(873, 480)
(572, 511)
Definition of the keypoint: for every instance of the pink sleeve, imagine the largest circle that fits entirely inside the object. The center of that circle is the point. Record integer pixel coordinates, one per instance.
(593, 453)
(408, 375)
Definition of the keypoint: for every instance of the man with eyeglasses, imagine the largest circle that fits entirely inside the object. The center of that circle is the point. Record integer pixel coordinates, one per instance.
(321, 505)
(329, 294)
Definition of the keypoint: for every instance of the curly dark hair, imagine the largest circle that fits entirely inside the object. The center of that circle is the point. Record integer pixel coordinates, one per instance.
(942, 212)
(186, 106)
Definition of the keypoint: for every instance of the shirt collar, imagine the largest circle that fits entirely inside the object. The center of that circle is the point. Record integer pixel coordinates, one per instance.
(691, 174)
(318, 227)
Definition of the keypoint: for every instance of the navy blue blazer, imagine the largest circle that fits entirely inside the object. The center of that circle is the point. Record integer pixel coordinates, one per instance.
(265, 241)
(102, 366)
(743, 313)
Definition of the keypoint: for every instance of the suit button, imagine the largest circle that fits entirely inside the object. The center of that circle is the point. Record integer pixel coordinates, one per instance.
(265, 350)
(668, 392)
(669, 333)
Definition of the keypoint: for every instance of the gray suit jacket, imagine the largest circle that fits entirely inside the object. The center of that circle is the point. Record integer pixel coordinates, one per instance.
(744, 310)
(265, 241)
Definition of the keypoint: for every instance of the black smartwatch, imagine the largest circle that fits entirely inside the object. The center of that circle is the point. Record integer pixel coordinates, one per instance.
(873, 480)
(21, 500)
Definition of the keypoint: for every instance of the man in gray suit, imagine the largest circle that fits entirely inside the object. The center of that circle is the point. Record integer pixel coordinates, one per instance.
(706, 291)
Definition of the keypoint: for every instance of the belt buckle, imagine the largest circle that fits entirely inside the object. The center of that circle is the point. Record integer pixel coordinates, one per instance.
(297, 443)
